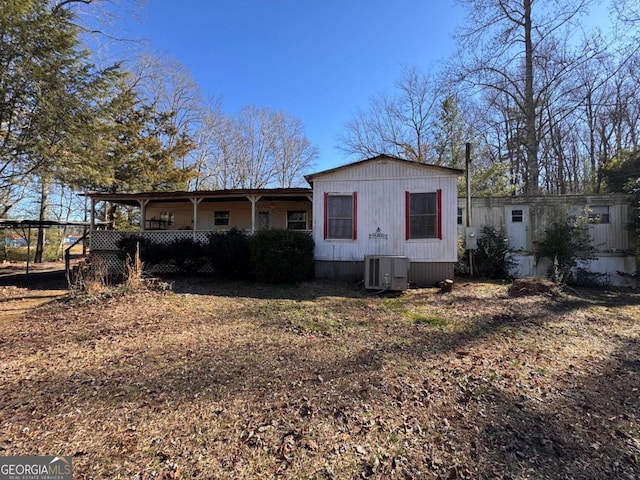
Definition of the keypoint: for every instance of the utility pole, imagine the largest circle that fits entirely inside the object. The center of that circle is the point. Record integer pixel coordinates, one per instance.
(467, 158)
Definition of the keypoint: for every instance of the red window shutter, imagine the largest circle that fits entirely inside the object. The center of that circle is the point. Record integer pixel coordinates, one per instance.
(439, 212)
(355, 215)
(407, 220)
(326, 215)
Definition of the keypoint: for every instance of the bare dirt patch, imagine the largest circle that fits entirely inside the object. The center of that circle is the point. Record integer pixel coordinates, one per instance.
(322, 381)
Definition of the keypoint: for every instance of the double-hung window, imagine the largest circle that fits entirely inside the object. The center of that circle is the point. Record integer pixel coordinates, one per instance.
(296, 220)
(423, 215)
(340, 219)
(221, 218)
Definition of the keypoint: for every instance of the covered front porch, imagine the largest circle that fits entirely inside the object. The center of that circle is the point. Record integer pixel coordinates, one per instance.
(167, 216)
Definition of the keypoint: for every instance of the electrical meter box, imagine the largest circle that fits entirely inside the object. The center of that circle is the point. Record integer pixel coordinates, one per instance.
(471, 238)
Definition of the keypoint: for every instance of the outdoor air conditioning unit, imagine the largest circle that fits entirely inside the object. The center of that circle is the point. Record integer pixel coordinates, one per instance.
(386, 272)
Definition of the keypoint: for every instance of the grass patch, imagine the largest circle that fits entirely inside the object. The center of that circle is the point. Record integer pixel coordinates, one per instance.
(433, 320)
(316, 325)
(19, 254)
(414, 314)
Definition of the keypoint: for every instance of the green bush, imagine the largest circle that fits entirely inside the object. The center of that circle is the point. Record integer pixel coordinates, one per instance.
(281, 256)
(272, 256)
(567, 245)
(151, 253)
(492, 259)
(462, 265)
(228, 253)
(187, 254)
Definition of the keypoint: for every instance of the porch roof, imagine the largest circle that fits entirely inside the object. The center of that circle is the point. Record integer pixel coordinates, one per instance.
(235, 194)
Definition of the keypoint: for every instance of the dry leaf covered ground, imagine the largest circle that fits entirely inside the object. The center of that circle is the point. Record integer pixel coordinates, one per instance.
(321, 381)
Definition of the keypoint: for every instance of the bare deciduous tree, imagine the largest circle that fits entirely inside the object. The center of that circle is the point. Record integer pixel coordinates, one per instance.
(257, 149)
(399, 124)
(169, 87)
(519, 49)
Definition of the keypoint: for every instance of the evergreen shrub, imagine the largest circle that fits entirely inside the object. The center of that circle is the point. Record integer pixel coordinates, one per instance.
(186, 254)
(492, 259)
(228, 253)
(281, 256)
(151, 253)
(567, 245)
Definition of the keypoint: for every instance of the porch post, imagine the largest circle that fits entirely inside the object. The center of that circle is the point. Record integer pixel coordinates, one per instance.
(196, 201)
(143, 213)
(310, 221)
(254, 200)
(92, 222)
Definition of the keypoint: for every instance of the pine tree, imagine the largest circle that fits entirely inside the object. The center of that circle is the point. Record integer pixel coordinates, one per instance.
(50, 94)
(139, 150)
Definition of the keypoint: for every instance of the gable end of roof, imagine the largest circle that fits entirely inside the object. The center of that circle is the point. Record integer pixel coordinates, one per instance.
(452, 171)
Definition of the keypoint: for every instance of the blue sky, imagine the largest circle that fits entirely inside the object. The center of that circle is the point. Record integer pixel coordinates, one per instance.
(318, 60)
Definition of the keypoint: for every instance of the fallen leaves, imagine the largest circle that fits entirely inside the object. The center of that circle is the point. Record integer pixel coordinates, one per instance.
(324, 382)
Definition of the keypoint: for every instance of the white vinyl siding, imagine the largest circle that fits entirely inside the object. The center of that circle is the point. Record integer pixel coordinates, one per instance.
(381, 212)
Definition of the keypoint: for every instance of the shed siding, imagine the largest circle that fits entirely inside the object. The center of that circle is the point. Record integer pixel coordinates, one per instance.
(612, 237)
(613, 242)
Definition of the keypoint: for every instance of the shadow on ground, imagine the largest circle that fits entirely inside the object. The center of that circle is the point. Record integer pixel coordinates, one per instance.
(37, 280)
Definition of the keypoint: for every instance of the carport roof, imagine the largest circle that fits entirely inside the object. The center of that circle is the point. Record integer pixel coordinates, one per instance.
(18, 222)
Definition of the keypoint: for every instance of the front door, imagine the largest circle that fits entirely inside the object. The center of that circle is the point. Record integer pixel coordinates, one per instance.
(518, 227)
(264, 220)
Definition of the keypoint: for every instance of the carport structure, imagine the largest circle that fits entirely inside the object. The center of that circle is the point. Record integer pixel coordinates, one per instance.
(26, 226)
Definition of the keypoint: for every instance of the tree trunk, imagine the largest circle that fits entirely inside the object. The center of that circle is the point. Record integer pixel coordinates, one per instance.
(41, 217)
(532, 170)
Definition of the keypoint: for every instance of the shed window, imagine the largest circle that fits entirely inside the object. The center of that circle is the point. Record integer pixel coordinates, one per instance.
(517, 216)
(423, 215)
(598, 214)
(459, 216)
(296, 220)
(340, 216)
(221, 218)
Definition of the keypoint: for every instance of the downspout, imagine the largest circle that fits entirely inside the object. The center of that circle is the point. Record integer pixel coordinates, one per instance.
(310, 223)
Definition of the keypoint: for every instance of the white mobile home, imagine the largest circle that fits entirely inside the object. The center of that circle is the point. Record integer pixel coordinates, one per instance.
(382, 206)
(385, 206)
